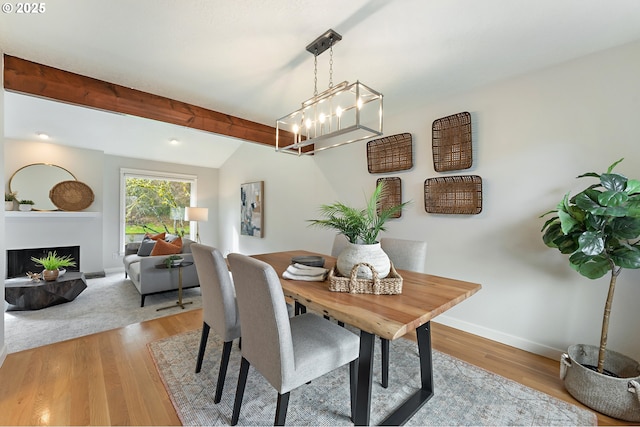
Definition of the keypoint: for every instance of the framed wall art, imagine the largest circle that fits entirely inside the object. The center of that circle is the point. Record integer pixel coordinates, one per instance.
(251, 209)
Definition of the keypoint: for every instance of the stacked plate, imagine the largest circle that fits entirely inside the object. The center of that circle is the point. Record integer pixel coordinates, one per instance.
(310, 260)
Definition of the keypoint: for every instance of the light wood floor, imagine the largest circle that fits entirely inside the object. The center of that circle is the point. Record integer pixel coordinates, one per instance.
(110, 379)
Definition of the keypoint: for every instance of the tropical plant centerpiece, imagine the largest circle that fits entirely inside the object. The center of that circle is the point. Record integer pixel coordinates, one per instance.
(599, 228)
(361, 228)
(52, 264)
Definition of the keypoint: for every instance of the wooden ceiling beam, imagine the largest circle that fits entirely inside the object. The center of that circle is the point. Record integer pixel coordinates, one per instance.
(43, 81)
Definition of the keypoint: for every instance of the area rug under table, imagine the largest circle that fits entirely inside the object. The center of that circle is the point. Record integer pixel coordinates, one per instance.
(464, 393)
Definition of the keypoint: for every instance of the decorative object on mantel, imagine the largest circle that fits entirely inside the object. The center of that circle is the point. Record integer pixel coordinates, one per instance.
(361, 228)
(9, 199)
(52, 264)
(599, 229)
(35, 277)
(453, 195)
(451, 142)
(392, 196)
(25, 205)
(350, 110)
(36, 180)
(390, 154)
(390, 285)
(71, 195)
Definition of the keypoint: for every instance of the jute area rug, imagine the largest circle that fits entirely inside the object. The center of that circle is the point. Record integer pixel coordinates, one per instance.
(108, 302)
(464, 394)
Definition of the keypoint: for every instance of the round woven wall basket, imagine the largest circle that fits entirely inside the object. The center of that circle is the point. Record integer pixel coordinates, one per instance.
(71, 195)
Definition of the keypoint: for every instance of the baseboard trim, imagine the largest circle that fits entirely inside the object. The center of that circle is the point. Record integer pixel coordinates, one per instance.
(3, 353)
(501, 337)
(114, 270)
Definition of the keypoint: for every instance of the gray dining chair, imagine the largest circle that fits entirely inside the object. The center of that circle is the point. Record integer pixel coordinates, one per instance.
(288, 352)
(219, 308)
(339, 243)
(405, 255)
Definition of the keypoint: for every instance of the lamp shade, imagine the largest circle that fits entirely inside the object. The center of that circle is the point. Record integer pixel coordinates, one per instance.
(196, 214)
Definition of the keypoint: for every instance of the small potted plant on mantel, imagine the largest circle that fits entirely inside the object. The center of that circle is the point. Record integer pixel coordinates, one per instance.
(26, 205)
(361, 228)
(9, 198)
(52, 264)
(599, 228)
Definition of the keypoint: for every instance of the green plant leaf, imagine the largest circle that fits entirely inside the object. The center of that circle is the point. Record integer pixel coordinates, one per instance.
(626, 257)
(613, 181)
(589, 174)
(593, 268)
(591, 243)
(567, 222)
(633, 187)
(614, 165)
(585, 202)
(612, 198)
(625, 228)
(566, 244)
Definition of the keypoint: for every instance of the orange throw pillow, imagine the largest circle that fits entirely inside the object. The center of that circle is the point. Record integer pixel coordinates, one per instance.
(159, 236)
(165, 248)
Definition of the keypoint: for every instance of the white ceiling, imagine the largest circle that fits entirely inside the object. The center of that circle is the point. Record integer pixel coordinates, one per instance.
(247, 58)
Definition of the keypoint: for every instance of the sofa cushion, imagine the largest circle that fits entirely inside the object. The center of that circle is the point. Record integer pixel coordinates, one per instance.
(159, 236)
(165, 248)
(146, 246)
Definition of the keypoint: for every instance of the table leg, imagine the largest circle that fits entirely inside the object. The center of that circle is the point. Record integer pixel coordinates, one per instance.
(402, 414)
(178, 303)
(365, 374)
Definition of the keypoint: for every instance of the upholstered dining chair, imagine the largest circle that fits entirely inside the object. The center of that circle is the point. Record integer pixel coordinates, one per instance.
(405, 255)
(288, 352)
(219, 308)
(339, 243)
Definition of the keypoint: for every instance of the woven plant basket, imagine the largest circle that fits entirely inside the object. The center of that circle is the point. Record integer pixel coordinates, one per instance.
(615, 397)
(390, 285)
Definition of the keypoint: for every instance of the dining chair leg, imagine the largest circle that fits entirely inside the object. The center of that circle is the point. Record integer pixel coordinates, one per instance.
(353, 386)
(299, 309)
(385, 361)
(242, 381)
(222, 373)
(281, 409)
(203, 345)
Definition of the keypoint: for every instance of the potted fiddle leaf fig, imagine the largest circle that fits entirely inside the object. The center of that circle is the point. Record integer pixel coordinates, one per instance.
(361, 227)
(599, 229)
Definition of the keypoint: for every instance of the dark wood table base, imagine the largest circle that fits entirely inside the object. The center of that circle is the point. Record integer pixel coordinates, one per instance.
(25, 294)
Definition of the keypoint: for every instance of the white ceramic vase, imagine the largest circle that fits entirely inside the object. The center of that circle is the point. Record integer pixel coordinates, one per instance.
(24, 207)
(8, 206)
(355, 254)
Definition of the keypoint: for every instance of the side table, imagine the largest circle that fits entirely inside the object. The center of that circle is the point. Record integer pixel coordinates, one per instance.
(180, 266)
(25, 294)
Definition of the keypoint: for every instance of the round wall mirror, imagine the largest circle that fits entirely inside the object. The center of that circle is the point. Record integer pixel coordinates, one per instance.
(33, 182)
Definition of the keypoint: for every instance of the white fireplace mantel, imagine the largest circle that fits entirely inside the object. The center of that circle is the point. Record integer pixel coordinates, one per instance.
(50, 214)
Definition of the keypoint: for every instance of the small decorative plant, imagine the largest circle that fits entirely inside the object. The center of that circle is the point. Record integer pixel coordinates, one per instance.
(599, 228)
(360, 226)
(169, 261)
(54, 262)
(9, 197)
(27, 202)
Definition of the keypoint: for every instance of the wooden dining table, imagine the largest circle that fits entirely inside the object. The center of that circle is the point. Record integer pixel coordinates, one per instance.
(423, 297)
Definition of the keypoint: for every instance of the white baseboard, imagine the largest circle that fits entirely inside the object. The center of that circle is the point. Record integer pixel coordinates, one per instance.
(501, 337)
(114, 270)
(3, 353)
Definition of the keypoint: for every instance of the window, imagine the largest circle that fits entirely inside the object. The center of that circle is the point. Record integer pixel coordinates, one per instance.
(154, 202)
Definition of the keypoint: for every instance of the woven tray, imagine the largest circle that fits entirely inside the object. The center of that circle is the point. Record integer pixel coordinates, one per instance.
(390, 285)
(453, 195)
(390, 154)
(392, 195)
(71, 195)
(451, 142)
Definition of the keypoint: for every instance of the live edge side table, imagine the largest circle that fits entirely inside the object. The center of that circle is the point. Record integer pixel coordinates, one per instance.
(180, 266)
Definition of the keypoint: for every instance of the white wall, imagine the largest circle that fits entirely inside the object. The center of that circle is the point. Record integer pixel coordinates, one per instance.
(532, 136)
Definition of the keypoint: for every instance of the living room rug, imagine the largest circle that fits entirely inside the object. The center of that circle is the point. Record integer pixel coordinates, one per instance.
(108, 302)
(464, 394)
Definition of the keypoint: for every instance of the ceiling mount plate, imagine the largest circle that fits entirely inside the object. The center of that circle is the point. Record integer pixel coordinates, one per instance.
(323, 42)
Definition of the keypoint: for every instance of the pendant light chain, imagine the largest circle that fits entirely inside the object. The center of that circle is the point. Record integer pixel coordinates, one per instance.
(331, 63)
(315, 73)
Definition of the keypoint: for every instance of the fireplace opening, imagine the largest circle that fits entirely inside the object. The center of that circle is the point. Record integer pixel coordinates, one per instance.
(19, 260)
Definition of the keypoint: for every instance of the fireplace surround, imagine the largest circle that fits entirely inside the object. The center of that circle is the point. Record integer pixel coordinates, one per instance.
(19, 260)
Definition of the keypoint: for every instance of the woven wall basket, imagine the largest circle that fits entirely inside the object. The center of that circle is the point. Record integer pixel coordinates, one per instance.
(451, 142)
(71, 195)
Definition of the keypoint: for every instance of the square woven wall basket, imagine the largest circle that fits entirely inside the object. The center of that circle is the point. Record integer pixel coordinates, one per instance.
(453, 195)
(451, 142)
(390, 154)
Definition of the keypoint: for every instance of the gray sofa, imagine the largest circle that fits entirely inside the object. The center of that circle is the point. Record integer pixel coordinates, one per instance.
(151, 280)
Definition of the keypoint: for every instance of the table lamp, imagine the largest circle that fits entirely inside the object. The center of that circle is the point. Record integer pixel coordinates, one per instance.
(196, 214)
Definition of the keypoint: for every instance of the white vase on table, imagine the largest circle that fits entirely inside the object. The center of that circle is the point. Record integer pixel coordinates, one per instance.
(371, 254)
